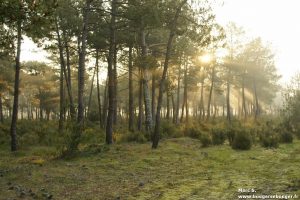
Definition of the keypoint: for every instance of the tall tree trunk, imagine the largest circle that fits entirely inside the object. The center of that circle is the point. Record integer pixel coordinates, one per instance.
(115, 71)
(13, 127)
(140, 116)
(1, 110)
(168, 105)
(91, 91)
(67, 75)
(210, 92)
(61, 99)
(153, 95)
(228, 97)
(244, 109)
(202, 111)
(81, 79)
(186, 94)
(130, 94)
(105, 104)
(111, 86)
(178, 93)
(145, 70)
(98, 89)
(156, 133)
(257, 109)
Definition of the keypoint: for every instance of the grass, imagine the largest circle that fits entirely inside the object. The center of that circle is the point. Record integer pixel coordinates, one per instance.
(179, 169)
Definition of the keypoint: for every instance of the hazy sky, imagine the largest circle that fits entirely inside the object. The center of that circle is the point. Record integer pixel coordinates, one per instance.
(276, 21)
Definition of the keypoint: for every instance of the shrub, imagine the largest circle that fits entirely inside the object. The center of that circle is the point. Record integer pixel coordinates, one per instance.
(242, 140)
(169, 130)
(134, 137)
(193, 133)
(286, 137)
(269, 139)
(230, 135)
(218, 136)
(205, 140)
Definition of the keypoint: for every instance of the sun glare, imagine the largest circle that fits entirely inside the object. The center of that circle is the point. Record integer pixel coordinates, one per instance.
(206, 58)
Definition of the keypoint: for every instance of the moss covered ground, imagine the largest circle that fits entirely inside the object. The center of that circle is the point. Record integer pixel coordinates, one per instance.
(178, 169)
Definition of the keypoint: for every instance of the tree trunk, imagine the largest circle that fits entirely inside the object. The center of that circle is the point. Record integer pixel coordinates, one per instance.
(202, 111)
(153, 95)
(115, 71)
(244, 110)
(210, 92)
(98, 89)
(130, 94)
(228, 98)
(81, 79)
(145, 70)
(1, 110)
(61, 99)
(178, 93)
(66, 75)
(13, 128)
(156, 134)
(91, 91)
(111, 86)
(105, 104)
(140, 116)
(257, 109)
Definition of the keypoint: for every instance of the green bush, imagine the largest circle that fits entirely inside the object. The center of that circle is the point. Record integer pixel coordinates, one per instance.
(169, 130)
(242, 140)
(286, 137)
(205, 140)
(269, 138)
(138, 137)
(218, 136)
(193, 133)
(230, 135)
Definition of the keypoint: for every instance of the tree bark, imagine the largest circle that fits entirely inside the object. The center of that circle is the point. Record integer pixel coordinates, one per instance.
(178, 93)
(228, 97)
(145, 75)
(115, 71)
(210, 92)
(13, 127)
(1, 110)
(91, 91)
(81, 80)
(156, 134)
(111, 86)
(153, 95)
(130, 94)
(140, 116)
(98, 89)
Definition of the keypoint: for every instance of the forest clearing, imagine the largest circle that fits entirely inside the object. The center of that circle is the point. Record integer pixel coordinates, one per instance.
(180, 169)
(149, 99)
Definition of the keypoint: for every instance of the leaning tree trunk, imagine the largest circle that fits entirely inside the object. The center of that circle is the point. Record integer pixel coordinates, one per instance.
(130, 94)
(13, 127)
(111, 86)
(155, 138)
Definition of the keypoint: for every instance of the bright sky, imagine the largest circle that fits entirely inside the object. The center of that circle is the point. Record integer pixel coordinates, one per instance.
(275, 21)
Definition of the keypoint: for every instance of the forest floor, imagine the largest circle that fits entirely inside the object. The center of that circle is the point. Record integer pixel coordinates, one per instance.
(178, 169)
